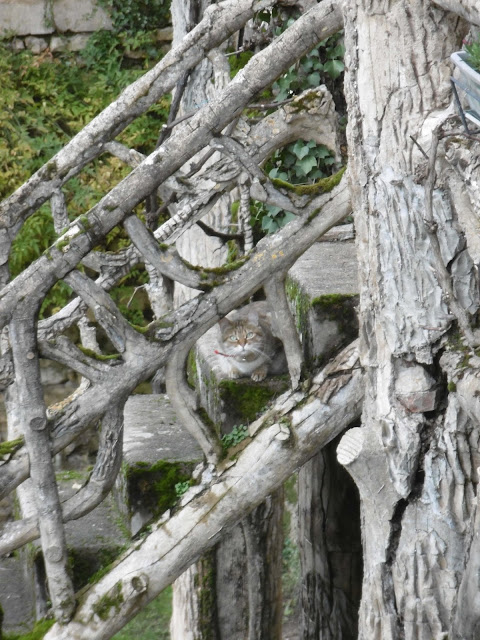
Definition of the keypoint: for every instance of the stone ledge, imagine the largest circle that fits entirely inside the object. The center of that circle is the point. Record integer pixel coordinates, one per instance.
(323, 290)
(157, 454)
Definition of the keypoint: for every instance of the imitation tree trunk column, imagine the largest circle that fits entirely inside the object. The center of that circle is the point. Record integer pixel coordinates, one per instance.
(203, 83)
(240, 568)
(407, 459)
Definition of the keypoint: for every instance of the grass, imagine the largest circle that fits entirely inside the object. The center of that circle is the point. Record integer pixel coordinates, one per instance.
(152, 623)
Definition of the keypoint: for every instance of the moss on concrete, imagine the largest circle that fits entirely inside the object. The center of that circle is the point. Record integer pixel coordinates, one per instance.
(246, 398)
(153, 485)
(339, 308)
(192, 372)
(114, 599)
(302, 304)
(9, 447)
(324, 185)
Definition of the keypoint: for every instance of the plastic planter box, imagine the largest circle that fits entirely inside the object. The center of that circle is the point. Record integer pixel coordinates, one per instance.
(469, 83)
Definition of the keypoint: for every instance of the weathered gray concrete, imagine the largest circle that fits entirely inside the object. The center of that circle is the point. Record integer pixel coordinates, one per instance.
(80, 15)
(152, 432)
(16, 594)
(40, 17)
(327, 268)
(151, 435)
(94, 539)
(323, 288)
(24, 17)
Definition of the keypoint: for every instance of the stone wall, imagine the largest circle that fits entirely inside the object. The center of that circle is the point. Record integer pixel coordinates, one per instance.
(44, 17)
(59, 25)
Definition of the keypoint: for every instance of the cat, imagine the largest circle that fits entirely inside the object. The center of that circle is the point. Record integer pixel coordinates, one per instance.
(248, 345)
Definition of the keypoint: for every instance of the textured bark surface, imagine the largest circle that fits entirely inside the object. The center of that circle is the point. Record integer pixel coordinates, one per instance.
(414, 460)
(234, 592)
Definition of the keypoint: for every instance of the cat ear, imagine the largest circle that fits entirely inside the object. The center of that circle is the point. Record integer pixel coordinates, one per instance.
(224, 323)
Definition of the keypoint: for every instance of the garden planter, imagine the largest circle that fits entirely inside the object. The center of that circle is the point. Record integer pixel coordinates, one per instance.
(469, 83)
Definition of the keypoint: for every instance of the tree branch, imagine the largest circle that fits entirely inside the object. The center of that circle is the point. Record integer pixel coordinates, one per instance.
(34, 427)
(166, 260)
(185, 142)
(266, 461)
(273, 254)
(102, 478)
(467, 9)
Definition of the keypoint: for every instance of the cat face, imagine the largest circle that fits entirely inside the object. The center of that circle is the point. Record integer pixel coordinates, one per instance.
(242, 340)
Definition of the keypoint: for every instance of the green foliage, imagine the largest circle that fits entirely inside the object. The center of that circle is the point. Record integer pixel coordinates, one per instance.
(236, 435)
(238, 61)
(290, 576)
(152, 622)
(137, 15)
(181, 488)
(473, 51)
(301, 162)
(321, 66)
(40, 629)
(44, 101)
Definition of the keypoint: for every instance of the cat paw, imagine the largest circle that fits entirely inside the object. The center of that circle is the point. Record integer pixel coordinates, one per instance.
(259, 374)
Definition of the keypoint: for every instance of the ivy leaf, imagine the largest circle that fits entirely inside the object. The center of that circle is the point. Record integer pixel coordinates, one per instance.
(322, 151)
(300, 149)
(273, 211)
(306, 164)
(314, 79)
(288, 217)
(338, 51)
(269, 225)
(334, 68)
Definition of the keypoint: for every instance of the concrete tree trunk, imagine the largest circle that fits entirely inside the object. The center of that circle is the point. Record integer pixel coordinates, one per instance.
(415, 458)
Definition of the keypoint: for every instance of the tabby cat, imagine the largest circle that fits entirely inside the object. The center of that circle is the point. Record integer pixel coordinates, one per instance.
(248, 344)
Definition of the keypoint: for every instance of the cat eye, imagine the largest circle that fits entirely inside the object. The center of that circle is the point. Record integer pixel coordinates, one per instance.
(250, 334)
(233, 339)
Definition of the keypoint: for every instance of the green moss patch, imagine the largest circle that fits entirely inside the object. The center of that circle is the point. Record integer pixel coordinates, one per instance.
(339, 308)
(112, 600)
(9, 447)
(98, 356)
(153, 485)
(246, 399)
(324, 185)
(38, 631)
